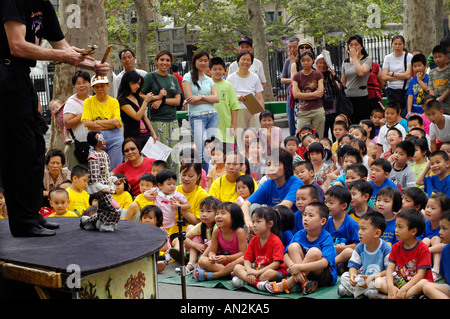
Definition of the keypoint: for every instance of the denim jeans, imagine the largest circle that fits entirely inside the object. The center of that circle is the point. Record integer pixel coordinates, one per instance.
(291, 118)
(114, 140)
(202, 128)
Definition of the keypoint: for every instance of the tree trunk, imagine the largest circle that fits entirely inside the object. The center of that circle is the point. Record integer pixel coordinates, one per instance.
(83, 24)
(256, 20)
(439, 20)
(419, 25)
(142, 34)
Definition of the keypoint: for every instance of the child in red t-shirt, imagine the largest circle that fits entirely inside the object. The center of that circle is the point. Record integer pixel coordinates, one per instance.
(409, 260)
(263, 259)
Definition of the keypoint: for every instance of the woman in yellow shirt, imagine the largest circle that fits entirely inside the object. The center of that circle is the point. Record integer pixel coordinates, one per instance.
(101, 112)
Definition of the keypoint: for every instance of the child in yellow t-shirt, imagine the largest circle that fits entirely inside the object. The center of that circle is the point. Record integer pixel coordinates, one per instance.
(122, 193)
(78, 197)
(146, 182)
(59, 201)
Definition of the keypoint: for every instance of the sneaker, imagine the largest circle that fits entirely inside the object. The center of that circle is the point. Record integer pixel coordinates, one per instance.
(374, 294)
(237, 282)
(309, 287)
(343, 292)
(436, 275)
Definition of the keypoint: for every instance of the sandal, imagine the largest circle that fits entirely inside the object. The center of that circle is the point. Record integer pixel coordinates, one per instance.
(271, 286)
(175, 254)
(188, 271)
(199, 274)
(309, 287)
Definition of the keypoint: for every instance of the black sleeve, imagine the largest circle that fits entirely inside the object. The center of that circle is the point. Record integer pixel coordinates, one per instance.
(51, 26)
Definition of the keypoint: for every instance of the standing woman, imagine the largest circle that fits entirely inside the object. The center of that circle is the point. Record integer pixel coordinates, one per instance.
(355, 74)
(133, 109)
(201, 94)
(164, 101)
(72, 114)
(307, 88)
(396, 74)
(101, 112)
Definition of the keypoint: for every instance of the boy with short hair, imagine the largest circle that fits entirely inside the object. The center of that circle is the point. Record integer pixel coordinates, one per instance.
(59, 201)
(342, 228)
(418, 86)
(351, 156)
(379, 172)
(369, 259)
(78, 197)
(218, 155)
(377, 116)
(146, 183)
(228, 105)
(440, 124)
(291, 144)
(257, 149)
(440, 181)
(409, 259)
(305, 171)
(305, 195)
(401, 173)
(340, 128)
(439, 85)
(392, 113)
(414, 197)
(158, 165)
(310, 256)
(361, 191)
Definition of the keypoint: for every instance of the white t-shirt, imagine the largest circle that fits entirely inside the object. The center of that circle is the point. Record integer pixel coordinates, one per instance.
(256, 67)
(245, 86)
(383, 132)
(118, 78)
(397, 64)
(75, 106)
(444, 134)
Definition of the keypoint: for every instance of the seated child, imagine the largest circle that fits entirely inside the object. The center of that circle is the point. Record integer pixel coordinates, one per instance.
(369, 260)
(306, 142)
(393, 137)
(401, 174)
(435, 290)
(415, 124)
(271, 135)
(228, 244)
(436, 206)
(445, 146)
(305, 171)
(152, 215)
(310, 256)
(198, 236)
(327, 144)
(301, 134)
(388, 203)
(409, 260)
(440, 124)
(361, 146)
(361, 191)
(59, 201)
(340, 128)
(291, 144)
(166, 197)
(415, 198)
(419, 162)
(122, 193)
(287, 223)
(256, 160)
(392, 112)
(263, 259)
(218, 154)
(342, 228)
(351, 157)
(78, 197)
(305, 195)
(377, 118)
(440, 181)
(379, 172)
(316, 154)
(146, 182)
(245, 187)
(157, 166)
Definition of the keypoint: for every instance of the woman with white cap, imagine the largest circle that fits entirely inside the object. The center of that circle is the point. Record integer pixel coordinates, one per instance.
(101, 112)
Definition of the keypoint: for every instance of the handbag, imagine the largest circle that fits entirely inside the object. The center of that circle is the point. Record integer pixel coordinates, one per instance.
(180, 106)
(81, 151)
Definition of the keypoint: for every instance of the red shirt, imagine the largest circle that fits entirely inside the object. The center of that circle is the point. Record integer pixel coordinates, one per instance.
(408, 262)
(134, 173)
(273, 250)
(180, 80)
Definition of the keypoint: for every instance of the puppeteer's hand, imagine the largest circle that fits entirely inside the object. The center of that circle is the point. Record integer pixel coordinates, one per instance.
(72, 55)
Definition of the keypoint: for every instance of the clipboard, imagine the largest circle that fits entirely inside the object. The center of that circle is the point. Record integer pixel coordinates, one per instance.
(252, 104)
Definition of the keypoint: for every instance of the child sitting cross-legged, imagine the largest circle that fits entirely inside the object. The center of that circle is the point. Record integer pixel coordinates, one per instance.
(310, 256)
(263, 259)
(369, 259)
(305, 171)
(360, 191)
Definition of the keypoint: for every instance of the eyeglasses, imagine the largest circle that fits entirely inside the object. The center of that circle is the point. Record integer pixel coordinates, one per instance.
(131, 149)
(305, 47)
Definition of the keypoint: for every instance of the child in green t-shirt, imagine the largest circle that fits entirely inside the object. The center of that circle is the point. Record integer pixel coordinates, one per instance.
(228, 105)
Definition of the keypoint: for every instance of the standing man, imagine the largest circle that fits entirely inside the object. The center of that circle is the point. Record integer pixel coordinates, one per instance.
(286, 79)
(246, 43)
(128, 60)
(24, 23)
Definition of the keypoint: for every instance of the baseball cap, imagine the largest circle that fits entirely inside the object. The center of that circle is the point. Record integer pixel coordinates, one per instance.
(246, 39)
(96, 79)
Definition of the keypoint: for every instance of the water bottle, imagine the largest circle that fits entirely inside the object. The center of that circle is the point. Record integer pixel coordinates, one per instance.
(359, 280)
(399, 282)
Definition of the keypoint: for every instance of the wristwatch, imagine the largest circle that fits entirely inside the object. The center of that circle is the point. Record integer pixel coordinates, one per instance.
(203, 97)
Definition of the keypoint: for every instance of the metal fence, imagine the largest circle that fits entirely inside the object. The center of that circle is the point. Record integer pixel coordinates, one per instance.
(44, 89)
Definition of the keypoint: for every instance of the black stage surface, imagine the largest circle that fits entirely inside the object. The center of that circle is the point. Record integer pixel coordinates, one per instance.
(91, 250)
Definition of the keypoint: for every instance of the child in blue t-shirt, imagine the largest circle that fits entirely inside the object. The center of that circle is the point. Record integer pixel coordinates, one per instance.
(418, 86)
(440, 181)
(305, 194)
(379, 172)
(435, 290)
(389, 203)
(310, 256)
